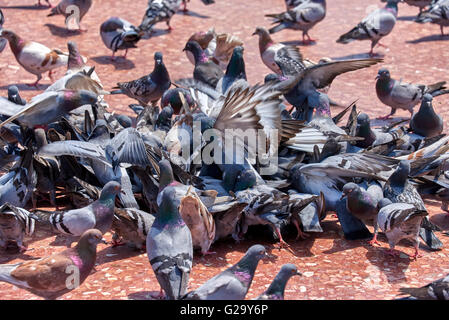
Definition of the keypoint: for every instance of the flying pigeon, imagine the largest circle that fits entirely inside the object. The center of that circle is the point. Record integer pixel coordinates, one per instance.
(76, 9)
(119, 34)
(33, 56)
(159, 11)
(99, 214)
(169, 247)
(234, 282)
(276, 289)
(426, 122)
(15, 223)
(303, 17)
(53, 276)
(399, 95)
(400, 221)
(378, 24)
(149, 88)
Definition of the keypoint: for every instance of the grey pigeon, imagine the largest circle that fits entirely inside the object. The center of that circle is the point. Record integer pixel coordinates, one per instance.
(119, 34)
(159, 11)
(290, 4)
(373, 137)
(398, 188)
(49, 277)
(205, 70)
(303, 17)
(378, 24)
(400, 221)
(363, 204)
(66, 8)
(406, 96)
(131, 226)
(437, 290)
(15, 223)
(169, 247)
(149, 88)
(438, 13)
(48, 107)
(426, 121)
(14, 96)
(276, 289)
(99, 214)
(3, 42)
(234, 282)
(234, 71)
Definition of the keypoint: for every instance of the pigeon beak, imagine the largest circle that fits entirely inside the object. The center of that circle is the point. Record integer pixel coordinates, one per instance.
(377, 77)
(254, 33)
(122, 192)
(298, 274)
(158, 61)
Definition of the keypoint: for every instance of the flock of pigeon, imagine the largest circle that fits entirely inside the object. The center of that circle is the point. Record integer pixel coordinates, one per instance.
(131, 177)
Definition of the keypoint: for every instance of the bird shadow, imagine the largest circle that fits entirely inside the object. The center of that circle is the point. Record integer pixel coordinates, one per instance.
(111, 254)
(155, 32)
(434, 37)
(6, 256)
(359, 56)
(119, 64)
(299, 43)
(35, 7)
(143, 295)
(393, 267)
(61, 32)
(25, 87)
(194, 14)
(406, 18)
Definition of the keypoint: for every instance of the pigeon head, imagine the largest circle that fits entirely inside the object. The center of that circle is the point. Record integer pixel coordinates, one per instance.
(167, 208)
(277, 287)
(427, 100)
(15, 42)
(13, 91)
(256, 253)
(261, 31)
(245, 180)
(124, 121)
(270, 77)
(171, 97)
(158, 58)
(75, 99)
(383, 203)
(75, 60)
(400, 175)
(363, 119)
(236, 66)
(383, 74)
(110, 190)
(348, 189)
(165, 115)
(289, 270)
(90, 239)
(166, 174)
(196, 50)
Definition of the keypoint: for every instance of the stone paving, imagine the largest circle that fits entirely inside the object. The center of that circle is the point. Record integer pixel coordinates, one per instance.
(332, 267)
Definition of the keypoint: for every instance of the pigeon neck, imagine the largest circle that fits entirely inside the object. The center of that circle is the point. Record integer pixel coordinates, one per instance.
(245, 269)
(166, 179)
(16, 43)
(160, 73)
(107, 199)
(277, 287)
(398, 178)
(384, 86)
(265, 42)
(86, 255)
(236, 67)
(364, 131)
(169, 215)
(199, 55)
(392, 6)
(75, 61)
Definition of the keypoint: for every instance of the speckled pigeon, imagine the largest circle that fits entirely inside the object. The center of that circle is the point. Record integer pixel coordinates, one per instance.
(169, 247)
(131, 226)
(438, 13)
(276, 289)
(52, 276)
(98, 214)
(426, 121)
(234, 282)
(119, 34)
(158, 11)
(15, 223)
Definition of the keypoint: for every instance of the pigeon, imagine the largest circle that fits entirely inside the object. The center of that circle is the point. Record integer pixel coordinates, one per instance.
(132, 226)
(57, 274)
(363, 204)
(33, 56)
(171, 97)
(437, 290)
(205, 70)
(159, 11)
(76, 9)
(400, 221)
(437, 13)
(290, 4)
(280, 58)
(149, 88)
(119, 34)
(426, 122)
(373, 137)
(15, 223)
(3, 41)
(303, 17)
(406, 96)
(48, 107)
(234, 72)
(398, 188)
(234, 282)
(169, 247)
(276, 289)
(378, 24)
(99, 214)
(14, 96)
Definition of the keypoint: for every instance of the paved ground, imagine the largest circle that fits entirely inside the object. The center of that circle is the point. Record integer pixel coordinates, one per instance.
(333, 267)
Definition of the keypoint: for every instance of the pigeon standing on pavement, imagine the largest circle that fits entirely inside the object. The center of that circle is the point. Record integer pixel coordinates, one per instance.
(205, 70)
(98, 214)
(438, 13)
(234, 282)
(33, 56)
(378, 24)
(400, 221)
(169, 247)
(149, 88)
(276, 289)
(303, 17)
(76, 9)
(159, 11)
(406, 96)
(55, 275)
(119, 34)
(426, 122)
